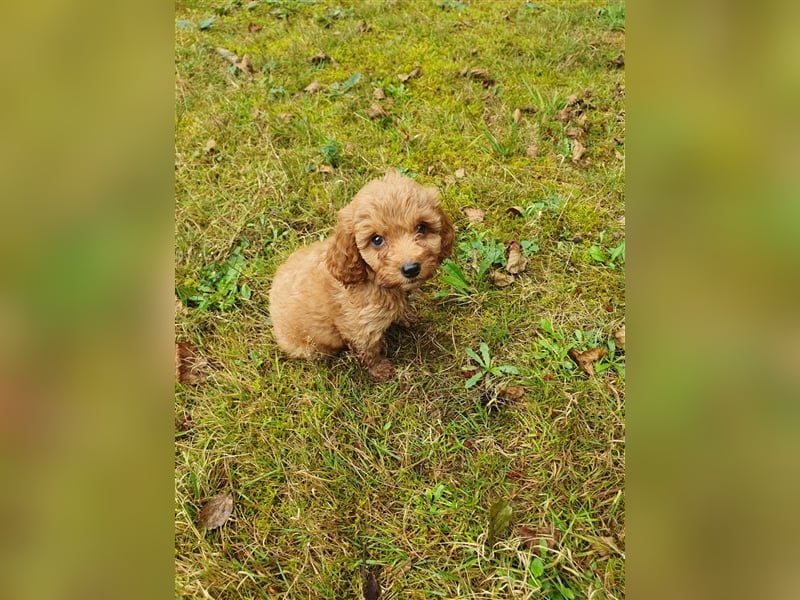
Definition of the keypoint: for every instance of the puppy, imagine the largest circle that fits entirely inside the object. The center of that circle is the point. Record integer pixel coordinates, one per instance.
(346, 290)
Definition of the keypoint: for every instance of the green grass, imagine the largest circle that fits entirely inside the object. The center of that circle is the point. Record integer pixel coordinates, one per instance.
(319, 460)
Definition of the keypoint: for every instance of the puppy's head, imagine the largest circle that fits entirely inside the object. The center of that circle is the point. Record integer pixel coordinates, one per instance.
(394, 232)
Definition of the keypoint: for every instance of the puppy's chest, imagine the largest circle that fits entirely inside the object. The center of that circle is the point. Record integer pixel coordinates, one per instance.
(380, 308)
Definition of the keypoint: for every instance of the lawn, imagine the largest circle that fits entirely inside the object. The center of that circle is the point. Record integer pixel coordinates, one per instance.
(492, 466)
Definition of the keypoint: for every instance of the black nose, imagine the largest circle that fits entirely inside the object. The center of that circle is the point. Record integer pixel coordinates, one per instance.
(410, 270)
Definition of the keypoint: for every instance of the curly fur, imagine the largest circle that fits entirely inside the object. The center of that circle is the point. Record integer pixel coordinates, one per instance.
(346, 290)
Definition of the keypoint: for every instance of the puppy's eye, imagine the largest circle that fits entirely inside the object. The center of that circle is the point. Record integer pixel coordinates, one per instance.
(422, 229)
(377, 241)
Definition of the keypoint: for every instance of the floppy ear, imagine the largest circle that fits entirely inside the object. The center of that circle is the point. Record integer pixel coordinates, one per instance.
(343, 259)
(448, 236)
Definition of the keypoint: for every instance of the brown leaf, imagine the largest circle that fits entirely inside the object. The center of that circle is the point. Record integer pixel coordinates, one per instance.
(517, 116)
(190, 366)
(618, 62)
(216, 511)
(475, 215)
(564, 114)
(460, 173)
(244, 65)
(515, 211)
(516, 262)
(363, 27)
(586, 360)
(378, 94)
(514, 392)
(403, 77)
(211, 146)
(313, 87)
(533, 537)
(572, 99)
(619, 338)
(370, 587)
(320, 58)
(376, 111)
(253, 28)
(575, 133)
(501, 279)
(532, 151)
(478, 75)
(327, 169)
(578, 150)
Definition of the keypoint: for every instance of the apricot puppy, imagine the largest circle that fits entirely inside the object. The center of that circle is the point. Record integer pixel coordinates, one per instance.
(346, 290)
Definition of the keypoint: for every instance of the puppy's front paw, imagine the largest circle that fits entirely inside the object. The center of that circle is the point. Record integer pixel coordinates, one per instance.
(382, 371)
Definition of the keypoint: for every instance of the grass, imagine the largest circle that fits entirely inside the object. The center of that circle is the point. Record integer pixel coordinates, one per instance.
(319, 460)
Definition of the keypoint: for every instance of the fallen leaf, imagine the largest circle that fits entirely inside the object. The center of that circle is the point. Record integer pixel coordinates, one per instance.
(313, 87)
(327, 169)
(515, 211)
(403, 77)
(376, 110)
(517, 116)
(515, 262)
(211, 146)
(460, 173)
(572, 99)
(253, 28)
(475, 215)
(586, 360)
(244, 65)
(575, 133)
(619, 338)
(378, 94)
(508, 394)
(499, 518)
(190, 367)
(535, 537)
(320, 58)
(478, 75)
(216, 511)
(564, 114)
(513, 476)
(532, 151)
(501, 279)
(618, 62)
(578, 150)
(371, 588)
(363, 27)
(577, 238)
